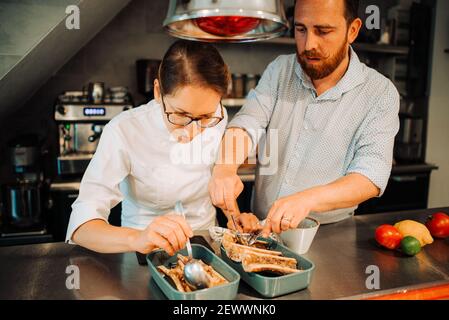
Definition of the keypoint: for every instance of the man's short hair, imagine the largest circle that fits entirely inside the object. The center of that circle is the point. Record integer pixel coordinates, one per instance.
(351, 9)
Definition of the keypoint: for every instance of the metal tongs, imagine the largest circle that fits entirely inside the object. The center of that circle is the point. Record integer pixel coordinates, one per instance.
(247, 239)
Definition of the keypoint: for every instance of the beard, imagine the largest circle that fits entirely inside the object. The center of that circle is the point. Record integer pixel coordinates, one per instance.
(326, 66)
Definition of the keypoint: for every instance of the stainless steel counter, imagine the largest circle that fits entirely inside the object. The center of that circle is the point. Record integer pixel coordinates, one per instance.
(341, 253)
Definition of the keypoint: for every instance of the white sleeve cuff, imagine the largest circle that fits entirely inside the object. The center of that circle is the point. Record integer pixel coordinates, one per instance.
(81, 214)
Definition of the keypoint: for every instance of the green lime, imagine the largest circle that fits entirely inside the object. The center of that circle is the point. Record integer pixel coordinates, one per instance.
(410, 245)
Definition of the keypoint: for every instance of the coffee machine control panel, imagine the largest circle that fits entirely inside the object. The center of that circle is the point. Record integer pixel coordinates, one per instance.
(87, 113)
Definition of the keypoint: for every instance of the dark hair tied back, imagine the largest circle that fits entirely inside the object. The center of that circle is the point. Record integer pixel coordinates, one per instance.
(193, 63)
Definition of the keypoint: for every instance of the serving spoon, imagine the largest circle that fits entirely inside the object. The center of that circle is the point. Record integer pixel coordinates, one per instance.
(194, 273)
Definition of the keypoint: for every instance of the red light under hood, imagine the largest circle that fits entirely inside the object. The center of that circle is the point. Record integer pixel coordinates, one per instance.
(227, 26)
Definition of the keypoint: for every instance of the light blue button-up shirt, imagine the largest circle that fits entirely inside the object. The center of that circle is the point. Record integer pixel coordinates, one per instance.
(350, 128)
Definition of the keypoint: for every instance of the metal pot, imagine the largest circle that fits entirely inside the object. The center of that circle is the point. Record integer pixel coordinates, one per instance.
(96, 92)
(238, 85)
(23, 204)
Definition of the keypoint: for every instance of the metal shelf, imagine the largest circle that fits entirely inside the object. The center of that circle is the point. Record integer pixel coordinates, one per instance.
(381, 48)
(281, 40)
(358, 46)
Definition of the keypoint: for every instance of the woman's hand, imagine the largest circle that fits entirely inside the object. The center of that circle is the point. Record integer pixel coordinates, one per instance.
(224, 188)
(246, 222)
(169, 232)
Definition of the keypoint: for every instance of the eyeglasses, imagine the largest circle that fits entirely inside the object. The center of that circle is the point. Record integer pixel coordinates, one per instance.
(181, 119)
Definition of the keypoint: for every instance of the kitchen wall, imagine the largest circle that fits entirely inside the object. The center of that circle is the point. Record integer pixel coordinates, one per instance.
(23, 24)
(438, 131)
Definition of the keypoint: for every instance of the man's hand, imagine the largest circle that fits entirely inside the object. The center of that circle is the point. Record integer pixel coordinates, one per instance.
(286, 213)
(224, 188)
(245, 222)
(345, 192)
(169, 232)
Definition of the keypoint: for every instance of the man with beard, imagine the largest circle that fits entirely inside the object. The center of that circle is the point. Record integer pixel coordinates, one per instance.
(335, 120)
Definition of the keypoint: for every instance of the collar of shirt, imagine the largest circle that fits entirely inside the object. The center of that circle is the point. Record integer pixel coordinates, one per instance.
(354, 76)
(157, 118)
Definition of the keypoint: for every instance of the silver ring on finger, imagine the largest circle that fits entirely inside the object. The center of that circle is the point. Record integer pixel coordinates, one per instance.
(286, 219)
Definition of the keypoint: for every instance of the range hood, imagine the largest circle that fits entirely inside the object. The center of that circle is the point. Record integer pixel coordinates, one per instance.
(225, 20)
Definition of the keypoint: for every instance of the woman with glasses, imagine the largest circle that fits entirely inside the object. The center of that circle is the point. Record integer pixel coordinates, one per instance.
(151, 157)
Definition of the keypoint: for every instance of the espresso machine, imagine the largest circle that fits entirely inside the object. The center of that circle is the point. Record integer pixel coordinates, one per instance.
(80, 118)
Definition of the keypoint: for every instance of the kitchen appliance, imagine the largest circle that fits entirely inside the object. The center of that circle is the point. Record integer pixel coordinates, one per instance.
(62, 195)
(147, 72)
(80, 124)
(251, 82)
(116, 95)
(96, 92)
(26, 198)
(238, 85)
(399, 22)
(242, 84)
(24, 204)
(409, 146)
(226, 21)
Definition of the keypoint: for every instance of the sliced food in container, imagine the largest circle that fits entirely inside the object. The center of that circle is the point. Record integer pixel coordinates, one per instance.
(272, 271)
(167, 272)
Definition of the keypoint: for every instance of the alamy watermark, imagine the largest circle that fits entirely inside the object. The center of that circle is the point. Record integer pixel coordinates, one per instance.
(372, 282)
(373, 20)
(260, 146)
(72, 21)
(72, 281)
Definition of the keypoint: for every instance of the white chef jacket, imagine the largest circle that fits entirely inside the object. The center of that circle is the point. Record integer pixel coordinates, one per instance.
(138, 163)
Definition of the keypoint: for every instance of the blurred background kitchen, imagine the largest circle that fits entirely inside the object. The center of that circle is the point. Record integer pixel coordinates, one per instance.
(58, 88)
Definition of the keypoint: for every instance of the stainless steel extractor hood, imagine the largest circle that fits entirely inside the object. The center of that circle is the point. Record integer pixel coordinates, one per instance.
(226, 20)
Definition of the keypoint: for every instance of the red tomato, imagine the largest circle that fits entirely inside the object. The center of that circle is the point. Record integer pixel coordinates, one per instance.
(388, 236)
(438, 225)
